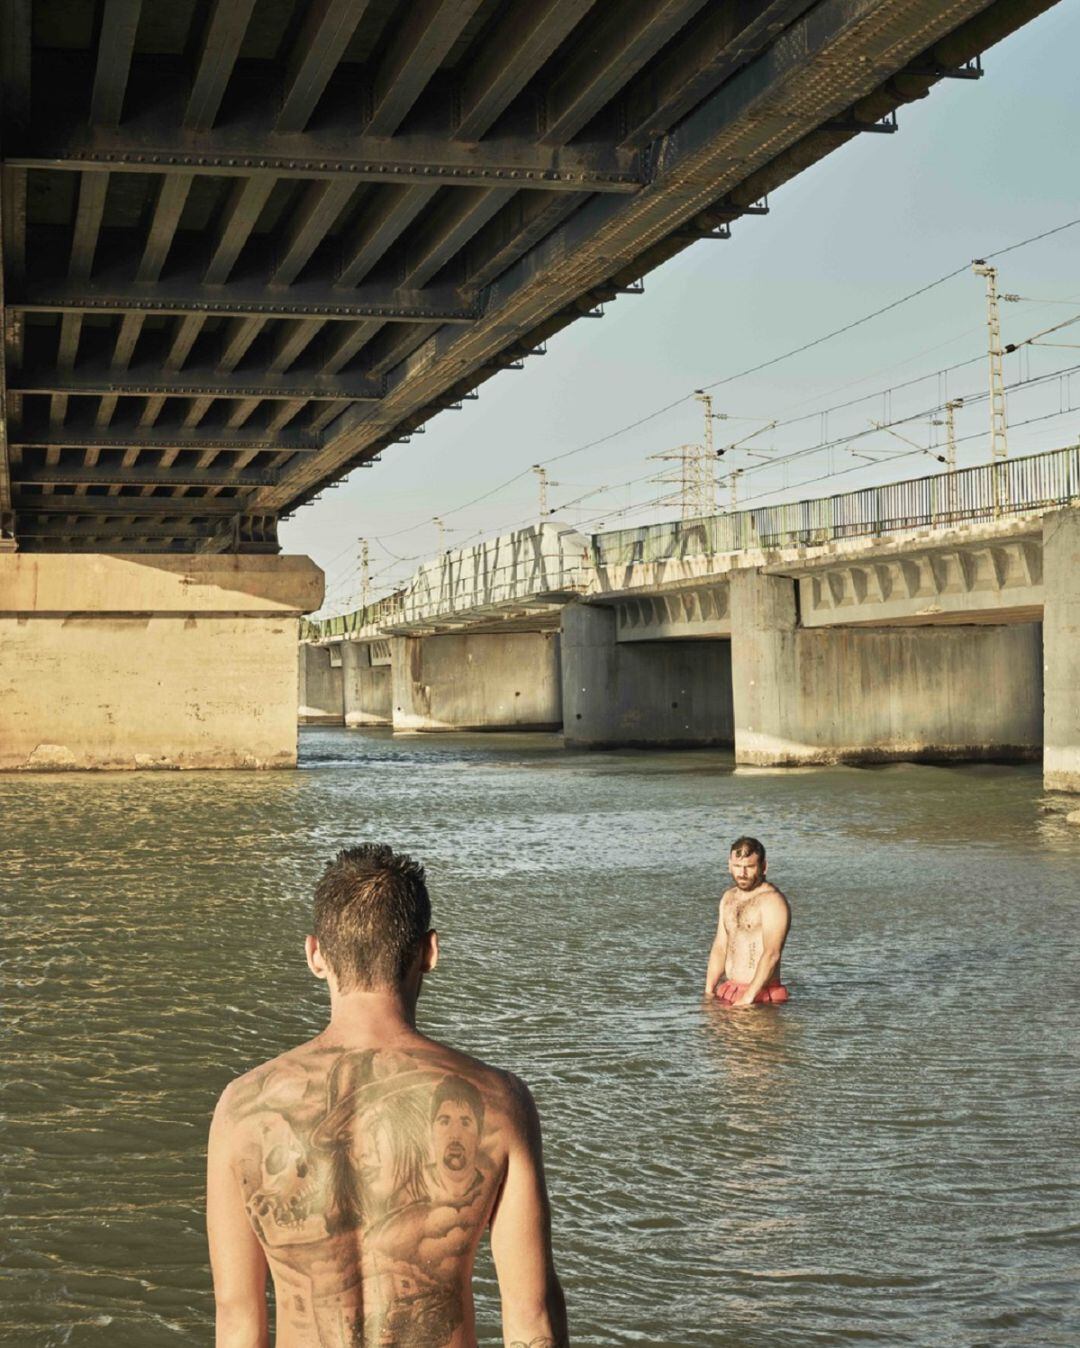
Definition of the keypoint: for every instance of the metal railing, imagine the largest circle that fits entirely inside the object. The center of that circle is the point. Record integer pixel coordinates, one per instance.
(499, 572)
(383, 611)
(988, 492)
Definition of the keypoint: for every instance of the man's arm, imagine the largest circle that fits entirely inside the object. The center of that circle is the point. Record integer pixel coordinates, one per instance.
(717, 955)
(236, 1257)
(775, 921)
(533, 1309)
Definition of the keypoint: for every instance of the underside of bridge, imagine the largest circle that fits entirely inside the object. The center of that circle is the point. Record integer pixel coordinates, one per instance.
(249, 244)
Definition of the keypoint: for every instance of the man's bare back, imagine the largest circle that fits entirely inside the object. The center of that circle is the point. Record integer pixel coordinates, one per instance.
(369, 1227)
(360, 1170)
(752, 926)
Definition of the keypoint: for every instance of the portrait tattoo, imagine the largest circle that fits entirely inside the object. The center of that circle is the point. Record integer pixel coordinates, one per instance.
(366, 1179)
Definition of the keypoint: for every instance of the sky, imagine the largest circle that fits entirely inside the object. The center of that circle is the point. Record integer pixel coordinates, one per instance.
(976, 167)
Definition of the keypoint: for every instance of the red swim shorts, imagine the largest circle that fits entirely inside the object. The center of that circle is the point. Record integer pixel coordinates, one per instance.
(771, 993)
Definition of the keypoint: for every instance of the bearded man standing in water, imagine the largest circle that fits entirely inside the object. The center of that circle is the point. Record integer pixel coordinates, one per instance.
(361, 1169)
(744, 963)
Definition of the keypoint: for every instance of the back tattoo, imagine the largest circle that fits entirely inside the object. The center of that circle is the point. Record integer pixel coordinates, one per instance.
(368, 1176)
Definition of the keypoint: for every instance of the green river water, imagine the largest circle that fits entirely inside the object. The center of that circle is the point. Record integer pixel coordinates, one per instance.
(890, 1158)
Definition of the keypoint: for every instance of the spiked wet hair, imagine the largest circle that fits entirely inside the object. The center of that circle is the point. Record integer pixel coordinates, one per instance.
(371, 912)
(748, 847)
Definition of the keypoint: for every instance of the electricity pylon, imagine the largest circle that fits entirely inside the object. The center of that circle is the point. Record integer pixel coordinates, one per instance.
(543, 482)
(365, 574)
(999, 437)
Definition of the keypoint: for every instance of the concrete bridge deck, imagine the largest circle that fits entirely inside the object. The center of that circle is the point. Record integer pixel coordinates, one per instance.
(909, 620)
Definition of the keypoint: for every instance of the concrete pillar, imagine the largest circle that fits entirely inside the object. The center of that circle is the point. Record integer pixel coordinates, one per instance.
(476, 681)
(150, 661)
(871, 694)
(320, 691)
(1061, 650)
(366, 689)
(657, 694)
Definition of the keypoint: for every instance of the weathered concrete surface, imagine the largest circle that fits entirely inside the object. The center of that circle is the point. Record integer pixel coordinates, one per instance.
(150, 662)
(875, 694)
(480, 681)
(320, 686)
(1061, 650)
(367, 697)
(674, 694)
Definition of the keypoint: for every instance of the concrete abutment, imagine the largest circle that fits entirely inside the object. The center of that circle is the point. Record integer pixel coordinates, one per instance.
(320, 698)
(148, 661)
(367, 696)
(476, 681)
(1061, 650)
(660, 694)
(873, 694)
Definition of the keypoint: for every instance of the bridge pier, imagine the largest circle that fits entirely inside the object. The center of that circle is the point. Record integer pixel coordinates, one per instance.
(1061, 648)
(476, 681)
(150, 661)
(367, 698)
(321, 699)
(874, 694)
(673, 694)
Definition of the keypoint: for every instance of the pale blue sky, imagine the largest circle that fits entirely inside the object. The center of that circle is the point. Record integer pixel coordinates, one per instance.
(975, 167)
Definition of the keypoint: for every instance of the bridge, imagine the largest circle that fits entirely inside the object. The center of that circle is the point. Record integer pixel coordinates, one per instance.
(247, 245)
(934, 619)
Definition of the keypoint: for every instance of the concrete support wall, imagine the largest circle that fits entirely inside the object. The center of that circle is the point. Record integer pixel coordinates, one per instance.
(648, 693)
(874, 694)
(1061, 650)
(366, 691)
(480, 681)
(150, 662)
(320, 689)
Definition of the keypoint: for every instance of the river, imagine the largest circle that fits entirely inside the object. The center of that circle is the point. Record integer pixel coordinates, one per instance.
(890, 1158)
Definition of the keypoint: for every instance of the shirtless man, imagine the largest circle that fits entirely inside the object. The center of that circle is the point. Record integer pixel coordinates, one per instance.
(361, 1169)
(744, 963)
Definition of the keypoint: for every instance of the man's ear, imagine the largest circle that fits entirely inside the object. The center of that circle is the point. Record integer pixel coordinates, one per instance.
(764, 867)
(315, 961)
(429, 951)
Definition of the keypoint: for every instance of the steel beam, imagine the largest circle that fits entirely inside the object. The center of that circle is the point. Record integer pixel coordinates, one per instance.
(241, 213)
(15, 58)
(380, 226)
(116, 43)
(113, 532)
(155, 506)
(242, 299)
(137, 476)
(254, 151)
(163, 437)
(222, 39)
(5, 453)
(733, 140)
(522, 41)
(195, 383)
(624, 38)
(327, 28)
(428, 31)
(711, 50)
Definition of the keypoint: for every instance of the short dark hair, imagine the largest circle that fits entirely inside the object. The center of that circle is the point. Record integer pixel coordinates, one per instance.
(462, 1092)
(748, 847)
(371, 912)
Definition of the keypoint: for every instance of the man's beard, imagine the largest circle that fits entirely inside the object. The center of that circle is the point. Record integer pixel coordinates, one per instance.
(455, 1158)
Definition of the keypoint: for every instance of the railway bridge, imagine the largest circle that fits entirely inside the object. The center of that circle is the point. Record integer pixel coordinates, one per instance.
(248, 245)
(936, 619)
